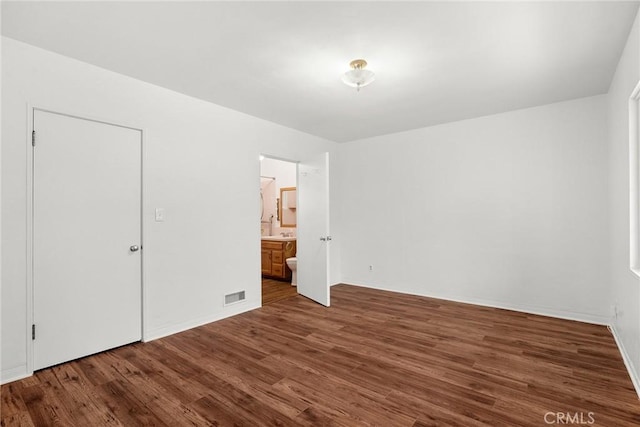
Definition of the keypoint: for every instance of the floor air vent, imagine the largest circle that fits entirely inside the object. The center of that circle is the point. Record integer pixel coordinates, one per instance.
(234, 298)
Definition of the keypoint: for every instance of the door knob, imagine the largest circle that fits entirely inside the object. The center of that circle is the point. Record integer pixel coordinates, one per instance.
(134, 248)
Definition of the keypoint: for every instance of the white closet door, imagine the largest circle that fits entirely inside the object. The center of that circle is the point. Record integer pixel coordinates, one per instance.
(86, 228)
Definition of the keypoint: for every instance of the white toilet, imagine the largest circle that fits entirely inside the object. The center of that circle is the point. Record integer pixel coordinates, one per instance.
(293, 265)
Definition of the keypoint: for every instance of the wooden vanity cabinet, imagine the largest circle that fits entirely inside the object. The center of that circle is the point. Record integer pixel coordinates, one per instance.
(274, 258)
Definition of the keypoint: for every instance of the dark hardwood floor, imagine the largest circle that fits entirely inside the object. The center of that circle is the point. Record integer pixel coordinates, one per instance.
(276, 290)
(372, 358)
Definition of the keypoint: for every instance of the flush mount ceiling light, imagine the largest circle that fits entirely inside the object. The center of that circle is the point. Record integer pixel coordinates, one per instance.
(358, 77)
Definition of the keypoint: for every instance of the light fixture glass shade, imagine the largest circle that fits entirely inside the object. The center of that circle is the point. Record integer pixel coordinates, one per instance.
(358, 77)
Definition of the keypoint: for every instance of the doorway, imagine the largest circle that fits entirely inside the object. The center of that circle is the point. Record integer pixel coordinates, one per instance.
(86, 237)
(305, 208)
(278, 229)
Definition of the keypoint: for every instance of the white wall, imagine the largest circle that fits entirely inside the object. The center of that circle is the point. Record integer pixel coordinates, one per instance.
(199, 159)
(507, 210)
(625, 286)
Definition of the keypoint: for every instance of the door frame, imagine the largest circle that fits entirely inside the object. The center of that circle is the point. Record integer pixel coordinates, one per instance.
(31, 110)
(634, 180)
(259, 244)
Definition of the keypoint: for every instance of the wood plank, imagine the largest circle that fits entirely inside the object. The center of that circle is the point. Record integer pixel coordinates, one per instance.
(277, 290)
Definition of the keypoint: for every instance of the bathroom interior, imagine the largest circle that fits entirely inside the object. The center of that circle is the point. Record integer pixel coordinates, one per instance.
(278, 229)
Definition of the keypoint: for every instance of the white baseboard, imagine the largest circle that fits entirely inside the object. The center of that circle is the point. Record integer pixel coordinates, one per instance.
(14, 374)
(194, 323)
(529, 309)
(635, 379)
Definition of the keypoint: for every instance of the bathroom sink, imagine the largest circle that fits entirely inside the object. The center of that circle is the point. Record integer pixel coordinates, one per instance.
(279, 238)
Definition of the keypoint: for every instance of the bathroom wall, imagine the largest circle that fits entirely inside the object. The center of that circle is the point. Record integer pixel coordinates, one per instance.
(508, 210)
(268, 212)
(199, 159)
(285, 174)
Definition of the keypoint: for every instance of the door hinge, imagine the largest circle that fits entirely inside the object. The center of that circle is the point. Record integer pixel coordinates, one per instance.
(33, 332)
(33, 138)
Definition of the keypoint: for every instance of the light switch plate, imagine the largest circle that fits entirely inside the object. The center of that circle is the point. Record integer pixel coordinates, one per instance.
(159, 214)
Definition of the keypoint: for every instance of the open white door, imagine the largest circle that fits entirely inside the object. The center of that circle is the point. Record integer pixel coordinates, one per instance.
(313, 229)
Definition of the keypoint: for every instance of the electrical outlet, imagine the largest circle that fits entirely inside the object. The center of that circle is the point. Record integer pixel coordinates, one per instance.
(371, 268)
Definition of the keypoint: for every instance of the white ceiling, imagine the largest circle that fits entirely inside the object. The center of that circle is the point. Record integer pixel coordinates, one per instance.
(282, 61)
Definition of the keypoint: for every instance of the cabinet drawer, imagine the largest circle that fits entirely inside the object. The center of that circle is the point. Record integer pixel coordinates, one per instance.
(272, 245)
(277, 257)
(277, 270)
(266, 261)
